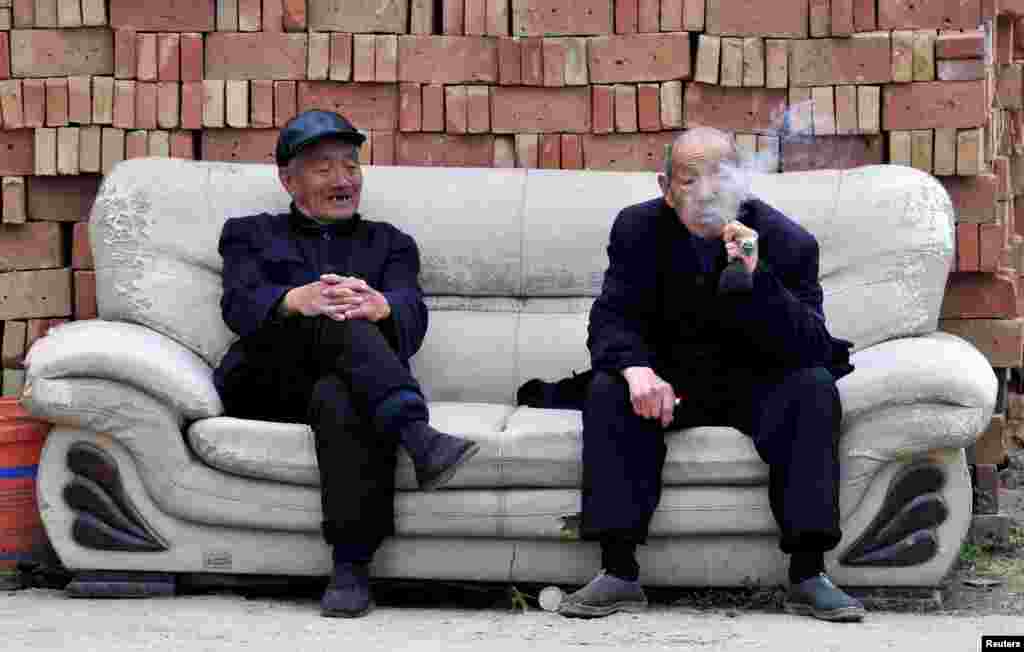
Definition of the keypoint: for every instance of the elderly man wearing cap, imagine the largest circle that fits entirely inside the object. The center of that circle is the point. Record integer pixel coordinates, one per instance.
(328, 309)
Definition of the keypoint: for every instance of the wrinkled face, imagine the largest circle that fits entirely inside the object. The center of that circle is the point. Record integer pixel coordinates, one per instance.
(706, 188)
(325, 180)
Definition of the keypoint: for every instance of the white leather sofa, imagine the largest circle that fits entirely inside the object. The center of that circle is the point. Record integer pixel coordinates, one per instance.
(145, 473)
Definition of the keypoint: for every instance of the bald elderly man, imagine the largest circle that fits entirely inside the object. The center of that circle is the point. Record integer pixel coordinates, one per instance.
(672, 349)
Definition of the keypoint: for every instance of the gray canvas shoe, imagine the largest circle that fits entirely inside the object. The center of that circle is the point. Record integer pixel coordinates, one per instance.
(603, 596)
(819, 597)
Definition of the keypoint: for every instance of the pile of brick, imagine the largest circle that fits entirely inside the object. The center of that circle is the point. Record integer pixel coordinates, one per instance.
(595, 84)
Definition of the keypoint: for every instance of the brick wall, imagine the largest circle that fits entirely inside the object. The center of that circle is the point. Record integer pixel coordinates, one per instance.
(595, 84)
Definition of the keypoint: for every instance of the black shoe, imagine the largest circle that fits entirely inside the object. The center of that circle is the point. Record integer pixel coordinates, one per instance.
(602, 596)
(348, 594)
(435, 455)
(819, 597)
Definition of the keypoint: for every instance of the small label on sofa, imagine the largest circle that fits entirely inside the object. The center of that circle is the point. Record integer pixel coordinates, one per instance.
(217, 560)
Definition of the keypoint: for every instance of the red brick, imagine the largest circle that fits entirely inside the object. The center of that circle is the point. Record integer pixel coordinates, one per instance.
(603, 109)
(626, 152)
(146, 57)
(125, 43)
(626, 16)
(968, 253)
(960, 69)
(648, 101)
(782, 18)
(433, 107)
(863, 59)
(294, 15)
(259, 55)
(368, 106)
(733, 109)
(554, 54)
(445, 150)
(81, 251)
(39, 293)
(386, 58)
(62, 52)
(172, 16)
(527, 151)
(498, 14)
(647, 16)
(341, 57)
(447, 59)
(510, 62)
(124, 104)
(62, 199)
(639, 57)
(1001, 169)
(56, 102)
(533, 62)
(192, 105)
(842, 17)
(479, 109)
(671, 19)
(182, 145)
(145, 105)
(23, 13)
(453, 17)
(456, 110)
(974, 198)
(521, 109)
(5, 56)
(273, 15)
(865, 15)
(550, 151)
(1003, 40)
(169, 57)
(572, 152)
(932, 14)
(833, 152)
(12, 104)
(475, 17)
(625, 108)
(35, 245)
(960, 45)
(410, 112)
(1010, 86)
(363, 59)
(191, 47)
(239, 145)
(85, 295)
(80, 100)
(558, 17)
(262, 103)
(286, 102)
(928, 105)
(980, 296)
(363, 16)
(34, 93)
(383, 147)
(991, 241)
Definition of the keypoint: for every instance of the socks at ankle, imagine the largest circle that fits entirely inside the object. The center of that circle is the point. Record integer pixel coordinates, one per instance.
(400, 408)
(805, 565)
(618, 558)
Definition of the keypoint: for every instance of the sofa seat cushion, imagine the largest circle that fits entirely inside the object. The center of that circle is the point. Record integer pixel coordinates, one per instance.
(520, 447)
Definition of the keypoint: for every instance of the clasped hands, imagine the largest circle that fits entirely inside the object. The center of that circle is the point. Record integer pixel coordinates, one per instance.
(338, 297)
(735, 234)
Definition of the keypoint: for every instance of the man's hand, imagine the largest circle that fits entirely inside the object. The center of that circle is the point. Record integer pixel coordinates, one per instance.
(652, 397)
(338, 297)
(734, 235)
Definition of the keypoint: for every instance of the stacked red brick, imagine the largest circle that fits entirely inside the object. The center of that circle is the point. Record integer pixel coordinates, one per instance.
(595, 84)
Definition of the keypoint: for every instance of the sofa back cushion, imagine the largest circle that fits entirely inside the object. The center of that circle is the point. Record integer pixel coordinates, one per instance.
(511, 259)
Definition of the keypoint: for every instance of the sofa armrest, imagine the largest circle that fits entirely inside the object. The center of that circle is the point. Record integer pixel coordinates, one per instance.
(130, 354)
(935, 369)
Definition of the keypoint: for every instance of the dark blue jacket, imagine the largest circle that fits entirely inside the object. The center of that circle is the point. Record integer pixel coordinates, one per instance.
(658, 308)
(267, 255)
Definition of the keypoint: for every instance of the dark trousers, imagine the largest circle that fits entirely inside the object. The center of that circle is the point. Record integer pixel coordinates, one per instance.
(331, 375)
(793, 419)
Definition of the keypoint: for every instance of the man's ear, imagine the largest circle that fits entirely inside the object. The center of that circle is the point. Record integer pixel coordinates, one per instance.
(664, 184)
(285, 177)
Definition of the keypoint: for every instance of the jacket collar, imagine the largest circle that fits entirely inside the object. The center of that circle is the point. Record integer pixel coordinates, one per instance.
(300, 223)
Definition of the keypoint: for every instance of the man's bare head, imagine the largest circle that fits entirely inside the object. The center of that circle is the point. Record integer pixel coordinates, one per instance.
(703, 180)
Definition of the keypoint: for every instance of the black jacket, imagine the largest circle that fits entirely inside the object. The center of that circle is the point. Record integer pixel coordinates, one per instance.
(267, 255)
(657, 309)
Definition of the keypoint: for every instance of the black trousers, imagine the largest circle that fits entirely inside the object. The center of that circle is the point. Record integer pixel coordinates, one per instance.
(793, 418)
(331, 375)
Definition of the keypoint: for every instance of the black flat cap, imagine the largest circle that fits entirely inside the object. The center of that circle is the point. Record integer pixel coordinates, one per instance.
(311, 126)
